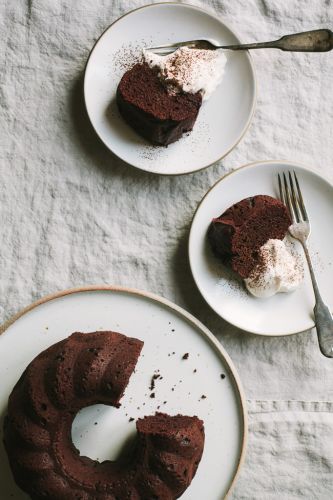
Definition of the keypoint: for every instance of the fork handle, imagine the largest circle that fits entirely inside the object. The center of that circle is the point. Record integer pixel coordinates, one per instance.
(308, 41)
(322, 314)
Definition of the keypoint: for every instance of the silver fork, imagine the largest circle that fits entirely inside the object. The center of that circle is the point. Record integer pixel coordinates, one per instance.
(291, 195)
(308, 41)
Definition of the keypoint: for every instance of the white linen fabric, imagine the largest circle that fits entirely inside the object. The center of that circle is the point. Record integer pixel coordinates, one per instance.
(72, 214)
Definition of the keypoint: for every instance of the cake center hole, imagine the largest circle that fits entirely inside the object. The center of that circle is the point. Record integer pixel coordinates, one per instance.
(102, 432)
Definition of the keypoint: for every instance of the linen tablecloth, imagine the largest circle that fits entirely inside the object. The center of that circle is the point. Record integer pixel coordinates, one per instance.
(72, 214)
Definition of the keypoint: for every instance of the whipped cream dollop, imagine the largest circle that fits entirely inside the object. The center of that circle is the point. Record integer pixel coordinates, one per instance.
(278, 270)
(189, 70)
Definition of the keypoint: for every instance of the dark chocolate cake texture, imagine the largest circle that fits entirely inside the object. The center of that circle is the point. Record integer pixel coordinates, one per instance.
(150, 109)
(237, 235)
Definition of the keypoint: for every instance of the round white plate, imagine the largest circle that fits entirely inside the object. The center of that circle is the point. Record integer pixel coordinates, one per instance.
(222, 120)
(285, 313)
(168, 333)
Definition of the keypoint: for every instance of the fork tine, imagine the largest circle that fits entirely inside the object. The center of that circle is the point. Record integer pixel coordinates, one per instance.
(288, 197)
(294, 199)
(300, 199)
(282, 195)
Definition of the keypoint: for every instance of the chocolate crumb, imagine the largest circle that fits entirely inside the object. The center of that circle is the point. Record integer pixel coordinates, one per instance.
(186, 355)
(152, 395)
(164, 402)
(152, 383)
(203, 397)
(95, 423)
(131, 419)
(195, 370)
(222, 375)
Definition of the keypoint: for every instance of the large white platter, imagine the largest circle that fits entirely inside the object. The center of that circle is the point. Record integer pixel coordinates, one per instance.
(101, 431)
(284, 313)
(222, 120)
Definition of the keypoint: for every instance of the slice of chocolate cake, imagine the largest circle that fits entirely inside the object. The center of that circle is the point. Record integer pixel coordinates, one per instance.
(238, 234)
(151, 110)
(170, 452)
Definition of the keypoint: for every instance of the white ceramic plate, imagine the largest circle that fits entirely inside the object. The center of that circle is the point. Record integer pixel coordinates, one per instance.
(285, 313)
(168, 333)
(222, 120)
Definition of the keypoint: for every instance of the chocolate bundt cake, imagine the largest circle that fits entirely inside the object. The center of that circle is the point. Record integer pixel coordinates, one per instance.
(147, 106)
(237, 235)
(83, 370)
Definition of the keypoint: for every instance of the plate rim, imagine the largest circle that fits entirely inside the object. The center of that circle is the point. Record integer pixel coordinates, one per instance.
(182, 312)
(235, 171)
(254, 99)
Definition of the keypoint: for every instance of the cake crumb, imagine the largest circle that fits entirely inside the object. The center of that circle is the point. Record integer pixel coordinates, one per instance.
(222, 376)
(186, 355)
(152, 382)
(152, 395)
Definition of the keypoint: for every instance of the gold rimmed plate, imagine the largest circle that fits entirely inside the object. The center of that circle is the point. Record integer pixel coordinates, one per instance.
(168, 333)
(284, 313)
(222, 120)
